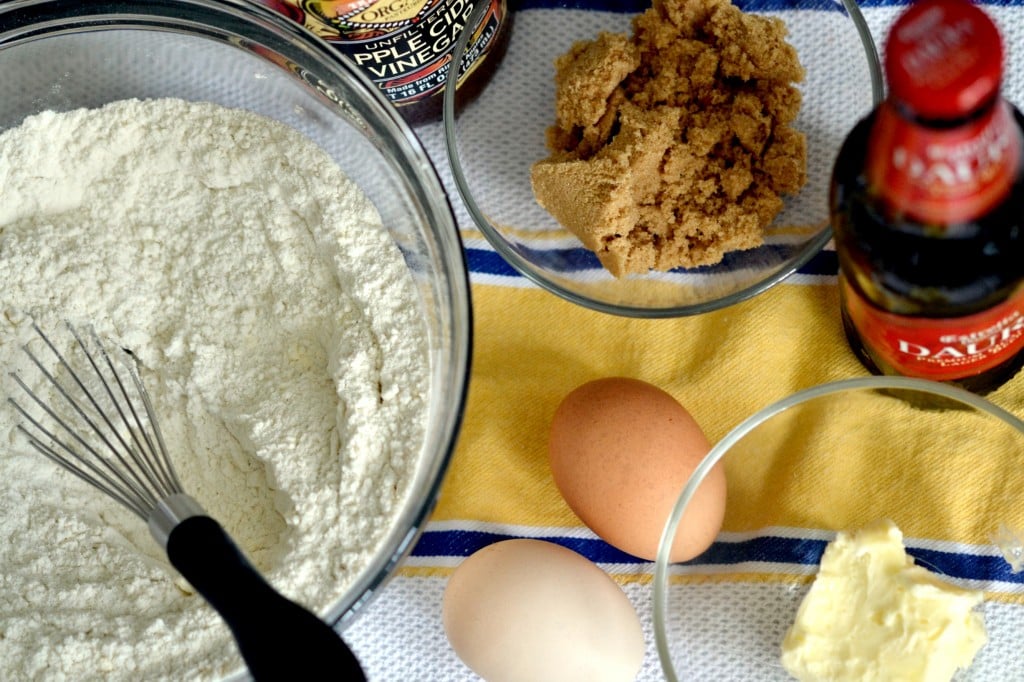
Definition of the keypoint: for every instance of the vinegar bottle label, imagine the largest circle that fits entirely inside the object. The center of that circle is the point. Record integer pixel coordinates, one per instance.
(941, 349)
(404, 46)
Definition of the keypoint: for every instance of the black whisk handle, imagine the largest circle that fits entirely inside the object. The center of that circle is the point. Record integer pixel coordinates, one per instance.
(278, 639)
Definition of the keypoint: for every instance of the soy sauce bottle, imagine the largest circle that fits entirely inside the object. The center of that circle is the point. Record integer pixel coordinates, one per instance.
(927, 206)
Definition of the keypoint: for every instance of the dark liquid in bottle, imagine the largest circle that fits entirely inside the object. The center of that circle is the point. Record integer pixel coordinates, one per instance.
(919, 270)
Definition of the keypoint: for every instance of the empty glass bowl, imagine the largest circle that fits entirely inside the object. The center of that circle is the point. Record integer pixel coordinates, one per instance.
(943, 464)
(493, 141)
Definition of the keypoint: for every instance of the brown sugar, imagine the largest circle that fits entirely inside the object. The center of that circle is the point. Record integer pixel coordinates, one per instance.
(672, 147)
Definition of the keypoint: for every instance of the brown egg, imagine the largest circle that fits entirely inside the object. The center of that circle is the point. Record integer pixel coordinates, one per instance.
(621, 451)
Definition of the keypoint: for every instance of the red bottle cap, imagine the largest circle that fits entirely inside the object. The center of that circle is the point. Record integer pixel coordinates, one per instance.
(943, 58)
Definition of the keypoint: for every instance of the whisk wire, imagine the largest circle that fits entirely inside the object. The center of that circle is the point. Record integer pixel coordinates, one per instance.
(96, 477)
(154, 460)
(143, 486)
(140, 487)
(125, 485)
(160, 455)
(260, 618)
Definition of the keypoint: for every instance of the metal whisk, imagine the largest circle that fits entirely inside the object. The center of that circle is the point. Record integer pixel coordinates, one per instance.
(107, 434)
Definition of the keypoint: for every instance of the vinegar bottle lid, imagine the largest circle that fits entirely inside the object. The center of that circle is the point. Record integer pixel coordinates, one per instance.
(943, 58)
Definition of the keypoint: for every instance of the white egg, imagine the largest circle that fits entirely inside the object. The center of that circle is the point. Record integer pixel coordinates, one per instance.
(531, 611)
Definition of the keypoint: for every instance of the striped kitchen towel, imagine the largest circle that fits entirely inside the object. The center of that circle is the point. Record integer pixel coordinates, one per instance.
(947, 491)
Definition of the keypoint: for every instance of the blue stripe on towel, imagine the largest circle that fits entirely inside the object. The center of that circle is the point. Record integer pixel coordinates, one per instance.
(636, 6)
(487, 262)
(969, 566)
(822, 263)
(768, 549)
(622, 6)
(464, 542)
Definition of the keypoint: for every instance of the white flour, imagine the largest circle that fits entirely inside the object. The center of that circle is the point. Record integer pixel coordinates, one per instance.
(281, 342)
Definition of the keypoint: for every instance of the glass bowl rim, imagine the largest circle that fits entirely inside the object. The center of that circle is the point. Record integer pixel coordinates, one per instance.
(659, 595)
(535, 275)
(35, 20)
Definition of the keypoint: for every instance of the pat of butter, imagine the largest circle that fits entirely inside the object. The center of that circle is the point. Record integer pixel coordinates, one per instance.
(873, 615)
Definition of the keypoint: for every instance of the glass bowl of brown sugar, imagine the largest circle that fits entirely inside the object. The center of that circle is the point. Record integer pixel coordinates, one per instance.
(661, 161)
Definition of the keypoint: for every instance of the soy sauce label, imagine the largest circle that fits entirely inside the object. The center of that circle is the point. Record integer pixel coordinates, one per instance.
(404, 46)
(935, 348)
(943, 176)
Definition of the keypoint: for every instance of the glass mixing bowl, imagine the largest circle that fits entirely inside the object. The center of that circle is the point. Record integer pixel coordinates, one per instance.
(66, 54)
(943, 464)
(493, 141)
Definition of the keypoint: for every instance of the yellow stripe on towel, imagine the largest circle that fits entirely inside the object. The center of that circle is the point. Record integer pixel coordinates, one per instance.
(532, 348)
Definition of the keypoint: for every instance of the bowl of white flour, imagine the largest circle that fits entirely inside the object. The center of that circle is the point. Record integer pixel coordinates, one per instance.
(212, 188)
